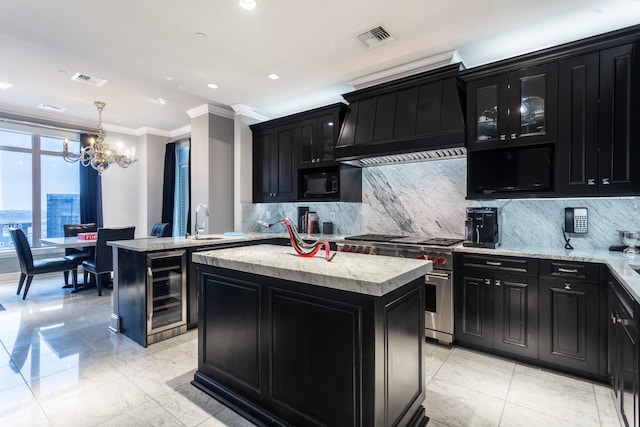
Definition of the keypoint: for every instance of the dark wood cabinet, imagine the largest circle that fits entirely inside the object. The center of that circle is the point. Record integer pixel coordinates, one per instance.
(317, 138)
(624, 372)
(275, 165)
(496, 304)
(515, 108)
(285, 146)
(595, 150)
(572, 306)
(285, 353)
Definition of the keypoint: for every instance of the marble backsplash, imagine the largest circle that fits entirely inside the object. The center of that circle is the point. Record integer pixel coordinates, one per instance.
(429, 198)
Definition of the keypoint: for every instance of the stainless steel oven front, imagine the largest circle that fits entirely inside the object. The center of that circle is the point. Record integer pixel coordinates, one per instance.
(439, 306)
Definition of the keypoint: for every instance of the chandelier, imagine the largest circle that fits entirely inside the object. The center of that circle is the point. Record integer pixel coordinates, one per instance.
(97, 153)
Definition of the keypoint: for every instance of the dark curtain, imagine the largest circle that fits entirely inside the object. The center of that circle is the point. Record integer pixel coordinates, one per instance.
(169, 183)
(90, 191)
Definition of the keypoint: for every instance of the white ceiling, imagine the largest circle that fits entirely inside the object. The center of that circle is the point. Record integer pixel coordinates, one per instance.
(150, 49)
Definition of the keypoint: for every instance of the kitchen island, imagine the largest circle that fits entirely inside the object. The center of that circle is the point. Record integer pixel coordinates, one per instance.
(286, 340)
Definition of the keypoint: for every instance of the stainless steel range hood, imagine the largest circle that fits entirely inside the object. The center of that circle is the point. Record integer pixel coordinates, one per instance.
(416, 118)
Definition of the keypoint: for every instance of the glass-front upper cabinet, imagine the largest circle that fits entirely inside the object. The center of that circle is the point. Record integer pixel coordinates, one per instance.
(317, 139)
(513, 108)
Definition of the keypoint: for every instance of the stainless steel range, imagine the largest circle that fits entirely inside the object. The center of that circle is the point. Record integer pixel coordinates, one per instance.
(438, 283)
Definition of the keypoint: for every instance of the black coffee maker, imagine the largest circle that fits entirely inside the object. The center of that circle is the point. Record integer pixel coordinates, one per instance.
(481, 228)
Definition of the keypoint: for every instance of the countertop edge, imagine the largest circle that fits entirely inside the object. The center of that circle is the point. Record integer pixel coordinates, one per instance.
(296, 269)
(618, 265)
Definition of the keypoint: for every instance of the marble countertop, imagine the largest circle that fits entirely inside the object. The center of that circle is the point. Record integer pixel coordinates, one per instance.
(167, 243)
(621, 267)
(370, 275)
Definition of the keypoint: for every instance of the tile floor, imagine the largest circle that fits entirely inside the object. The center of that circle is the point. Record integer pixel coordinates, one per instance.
(60, 366)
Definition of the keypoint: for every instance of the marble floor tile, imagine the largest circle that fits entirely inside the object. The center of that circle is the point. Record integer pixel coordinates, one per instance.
(61, 366)
(479, 372)
(560, 396)
(457, 406)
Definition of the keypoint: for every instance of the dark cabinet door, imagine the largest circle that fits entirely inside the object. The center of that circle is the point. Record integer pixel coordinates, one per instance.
(577, 149)
(317, 139)
(514, 108)
(569, 324)
(618, 124)
(487, 112)
(533, 104)
(263, 144)
(285, 173)
(516, 314)
(624, 353)
(474, 307)
(275, 165)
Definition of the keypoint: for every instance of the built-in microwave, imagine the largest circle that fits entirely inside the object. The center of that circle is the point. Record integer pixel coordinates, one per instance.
(317, 183)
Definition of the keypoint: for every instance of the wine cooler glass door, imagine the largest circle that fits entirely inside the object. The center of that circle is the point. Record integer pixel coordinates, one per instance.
(166, 291)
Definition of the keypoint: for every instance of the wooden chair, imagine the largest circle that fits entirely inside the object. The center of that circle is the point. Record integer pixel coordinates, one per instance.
(102, 264)
(161, 229)
(29, 267)
(79, 255)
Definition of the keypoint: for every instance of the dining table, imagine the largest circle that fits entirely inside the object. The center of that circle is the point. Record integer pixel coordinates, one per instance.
(69, 242)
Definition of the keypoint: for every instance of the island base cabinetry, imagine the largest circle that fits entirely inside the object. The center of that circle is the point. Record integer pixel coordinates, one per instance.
(151, 295)
(284, 353)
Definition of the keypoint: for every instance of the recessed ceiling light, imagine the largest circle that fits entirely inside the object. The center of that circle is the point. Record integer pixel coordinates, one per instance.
(5, 85)
(247, 4)
(162, 101)
(212, 86)
(169, 78)
(273, 76)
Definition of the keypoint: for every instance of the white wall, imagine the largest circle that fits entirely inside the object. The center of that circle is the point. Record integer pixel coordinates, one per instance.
(212, 171)
(121, 187)
(133, 196)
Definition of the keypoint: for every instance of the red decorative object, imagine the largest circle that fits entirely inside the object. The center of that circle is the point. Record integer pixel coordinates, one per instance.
(88, 236)
(303, 248)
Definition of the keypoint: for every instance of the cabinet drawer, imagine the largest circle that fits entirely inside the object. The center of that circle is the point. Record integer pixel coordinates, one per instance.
(528, 266)
(569, 269)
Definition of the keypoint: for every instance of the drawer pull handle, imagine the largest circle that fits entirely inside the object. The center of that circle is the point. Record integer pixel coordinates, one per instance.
(568, 270)
(497, 264)
(498, 283)
(567, 286)
(487, 281)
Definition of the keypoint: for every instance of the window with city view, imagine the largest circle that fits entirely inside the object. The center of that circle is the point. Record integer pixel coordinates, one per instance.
(39, 191)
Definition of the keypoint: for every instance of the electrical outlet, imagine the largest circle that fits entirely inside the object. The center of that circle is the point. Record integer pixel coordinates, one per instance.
(268, 214)
(333, 216)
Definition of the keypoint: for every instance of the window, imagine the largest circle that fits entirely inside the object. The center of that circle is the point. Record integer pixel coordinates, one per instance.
(39, 191)
(181, 200)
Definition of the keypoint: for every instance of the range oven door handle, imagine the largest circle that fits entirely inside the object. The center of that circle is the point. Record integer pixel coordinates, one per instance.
(438, 275)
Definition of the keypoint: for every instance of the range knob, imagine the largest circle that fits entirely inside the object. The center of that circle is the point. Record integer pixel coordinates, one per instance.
(358, 250)
(366, 250)
(421, 256)
(441, 261)
(431, 257)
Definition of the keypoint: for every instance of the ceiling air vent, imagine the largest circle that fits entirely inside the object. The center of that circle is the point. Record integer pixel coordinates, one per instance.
(90, 80)
(49, 107)
(374, 37)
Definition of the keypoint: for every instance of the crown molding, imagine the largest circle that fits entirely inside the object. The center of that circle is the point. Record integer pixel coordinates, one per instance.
(209, 109)
(53, 120)
(408, 69)
(244, 110)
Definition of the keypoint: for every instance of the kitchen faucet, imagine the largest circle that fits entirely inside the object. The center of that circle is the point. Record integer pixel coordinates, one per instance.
(206, 212)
